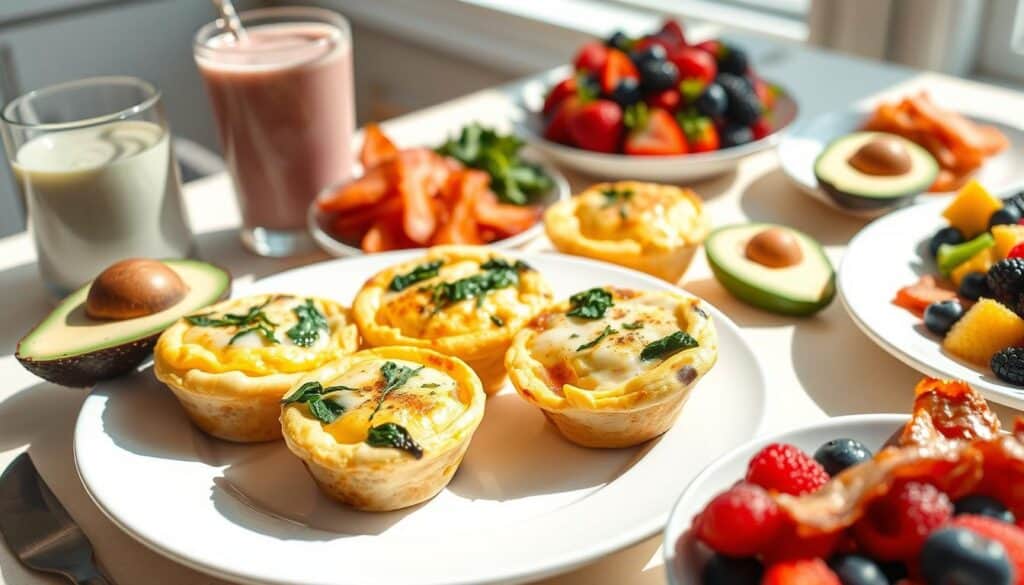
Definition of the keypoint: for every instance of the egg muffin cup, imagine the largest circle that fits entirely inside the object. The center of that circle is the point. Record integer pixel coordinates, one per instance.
(467, 334)
(622, 414)
(381, 479)
(656, 229)
(240, 401)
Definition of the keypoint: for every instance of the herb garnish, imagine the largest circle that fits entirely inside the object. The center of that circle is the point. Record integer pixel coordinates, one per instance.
(590, 304)
(311, 323)
(252, 320)
(605, 333)
(633, 326)
(422, 272)
(497, 274)
(312, 395)
(430, 385)
(498, 321)
(613, 195)
(393, 435)
(668, 345)
(395, 376)
(512, 179)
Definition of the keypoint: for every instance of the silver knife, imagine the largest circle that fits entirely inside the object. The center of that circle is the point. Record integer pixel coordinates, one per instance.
(39, 530)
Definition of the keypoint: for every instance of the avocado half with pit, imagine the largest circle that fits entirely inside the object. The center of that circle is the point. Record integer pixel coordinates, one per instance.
(109, 326)
(772, 267)
(873, 171)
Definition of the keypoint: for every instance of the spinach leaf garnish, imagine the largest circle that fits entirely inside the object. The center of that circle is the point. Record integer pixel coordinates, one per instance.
(393, 435)
(498, 321)
(668, 345)
(605, 333)
(590, 304)
(311, 323)
(252, 320)
(395, 376)
(633, 326)
(497, 273)
(312, 395)
(620, 197)
(422, 272)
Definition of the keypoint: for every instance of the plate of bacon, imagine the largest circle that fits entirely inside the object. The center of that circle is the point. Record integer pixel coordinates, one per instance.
(928, 499)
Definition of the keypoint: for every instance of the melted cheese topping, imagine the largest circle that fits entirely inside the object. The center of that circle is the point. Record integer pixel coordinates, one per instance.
(615, 358)
(425, 405)
(653, 216)
(413, 312)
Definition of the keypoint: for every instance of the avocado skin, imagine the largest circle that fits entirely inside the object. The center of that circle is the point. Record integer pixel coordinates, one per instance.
(770, 302)
(861, 203)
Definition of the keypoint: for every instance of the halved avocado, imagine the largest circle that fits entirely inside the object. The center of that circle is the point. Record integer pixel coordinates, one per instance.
(887, 185)
(71, 348)
(803, 288)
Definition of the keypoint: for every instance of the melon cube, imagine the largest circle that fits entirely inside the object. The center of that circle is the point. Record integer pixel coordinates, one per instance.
(980, 262)
(1006, 236)
(984, 330)
(971, 209)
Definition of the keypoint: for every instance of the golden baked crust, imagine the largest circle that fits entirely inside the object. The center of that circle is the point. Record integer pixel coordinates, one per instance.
(231, 390)
(653, 228)
(477, 329)
(440, 406)
(588, 377)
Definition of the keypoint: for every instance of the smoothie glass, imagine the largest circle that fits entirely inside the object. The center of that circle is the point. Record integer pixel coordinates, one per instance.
(93, 160)
(283, 100)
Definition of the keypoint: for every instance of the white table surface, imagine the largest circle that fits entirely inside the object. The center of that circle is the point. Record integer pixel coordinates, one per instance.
(816, 367)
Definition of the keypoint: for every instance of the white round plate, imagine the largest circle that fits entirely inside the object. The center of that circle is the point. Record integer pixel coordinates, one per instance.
(685, 167)
(524, 504)
(800, 147)
(684, 556)
(558, 192)
(891, 253)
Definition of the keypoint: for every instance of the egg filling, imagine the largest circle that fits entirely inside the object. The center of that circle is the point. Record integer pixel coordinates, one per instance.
(653, 218)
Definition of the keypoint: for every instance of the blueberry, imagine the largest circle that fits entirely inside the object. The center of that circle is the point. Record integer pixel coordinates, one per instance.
(712, 101)
(1016, 200)
(939, 317)
(974, 286)
(619, 40)
(947, 235)
(649, 53)
(722, 570)
(735, 135)
(894, 571)
(983, 506)
(838, 454)
(857, 570)
(1007, 215)
(658, 75)
(627, 92)
(957, 556)
(733, 60)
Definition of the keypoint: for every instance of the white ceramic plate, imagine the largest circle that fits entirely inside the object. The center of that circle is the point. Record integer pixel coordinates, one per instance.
(336, 247)
(887, 255)
(686, 167)
(800, 147)
(684, 557)
(524, 504)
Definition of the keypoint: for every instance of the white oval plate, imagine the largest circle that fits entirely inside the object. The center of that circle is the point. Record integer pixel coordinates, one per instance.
(891, 253)
(524, 504)
(684, 167)
(558, 192)
(684, 557)
(800, 147)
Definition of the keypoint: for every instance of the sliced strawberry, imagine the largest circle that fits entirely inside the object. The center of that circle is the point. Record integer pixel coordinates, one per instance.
(765, 93)
(617, 67)
(701, 134)
(712, 47)
(591, 57)
(673, 30)
(558, 94)
(761, 128)
(801, 572)
(694, 63)
(669, 99)
(557, 129)
(653, 131)
(597, 126)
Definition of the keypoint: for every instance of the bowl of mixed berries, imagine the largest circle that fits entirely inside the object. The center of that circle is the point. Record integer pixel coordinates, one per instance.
(655, 108)
(851, 502)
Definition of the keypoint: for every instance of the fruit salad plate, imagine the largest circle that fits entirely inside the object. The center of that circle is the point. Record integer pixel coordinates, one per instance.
(891, 253)
(524, 504)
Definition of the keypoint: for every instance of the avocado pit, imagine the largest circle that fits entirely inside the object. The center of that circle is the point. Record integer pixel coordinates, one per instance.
(882, 157)
(775, 248)
(132, 288)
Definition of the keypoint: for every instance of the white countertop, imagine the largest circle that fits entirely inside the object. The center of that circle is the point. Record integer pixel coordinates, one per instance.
(816, 367)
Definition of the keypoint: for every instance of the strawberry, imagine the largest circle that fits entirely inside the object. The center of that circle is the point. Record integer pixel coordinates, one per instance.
(649, 40)
(672, 31)
(711, 47)
(616, 67)
(591, 57)
(557, 129)
(803, 572)
(597, 126)
(668, 99)
(693, 63)
(766, 93)
(701, 134)
(563, 89)
(653, 131)
(761, 128)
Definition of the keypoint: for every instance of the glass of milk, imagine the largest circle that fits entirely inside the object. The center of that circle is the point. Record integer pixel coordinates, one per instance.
(93, 160)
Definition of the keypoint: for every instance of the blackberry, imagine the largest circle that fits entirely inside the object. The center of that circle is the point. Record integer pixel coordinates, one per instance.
(1006, 282)
(1008, 365)
(744, 106)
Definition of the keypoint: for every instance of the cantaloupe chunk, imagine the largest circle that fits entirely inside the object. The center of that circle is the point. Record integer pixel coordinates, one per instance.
(1006, 236)
(985, 329)
(971, 209)
(980, 262)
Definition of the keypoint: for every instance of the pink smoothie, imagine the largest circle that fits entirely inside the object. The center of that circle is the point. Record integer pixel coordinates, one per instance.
(283, 101)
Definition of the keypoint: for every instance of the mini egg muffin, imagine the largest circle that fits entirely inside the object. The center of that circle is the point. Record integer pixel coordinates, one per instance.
(230, 364)
(465, 301)
(612, 367)
(384, 428)
(653, 228)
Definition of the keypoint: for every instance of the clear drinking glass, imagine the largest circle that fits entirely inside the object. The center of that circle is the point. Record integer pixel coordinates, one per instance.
(283, 100)
(94, 162)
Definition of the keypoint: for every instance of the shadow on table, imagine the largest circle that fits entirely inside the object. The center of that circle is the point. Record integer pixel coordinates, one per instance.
(632, 565)
(25, 303)
(34, 412)
(223, 248)
(741, 313)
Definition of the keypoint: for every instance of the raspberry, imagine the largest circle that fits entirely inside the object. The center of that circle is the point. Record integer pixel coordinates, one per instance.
(790, 546)
(895, 526)
(739, 522)
(805, 572)
(787, 469)
(1008, 535)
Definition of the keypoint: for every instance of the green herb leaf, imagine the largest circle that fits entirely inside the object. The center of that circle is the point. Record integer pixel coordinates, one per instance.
(498, 321)
(668, 345)
(305, 393)
(312, 394)
(311, 323)
(327, 411)
(395, 376)
(590, 304)
(497, 273)
(430, 385)
(395, 436)
(633, 326)
(422, 272)
(613, 196)
(253, 320)
(607, 331)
